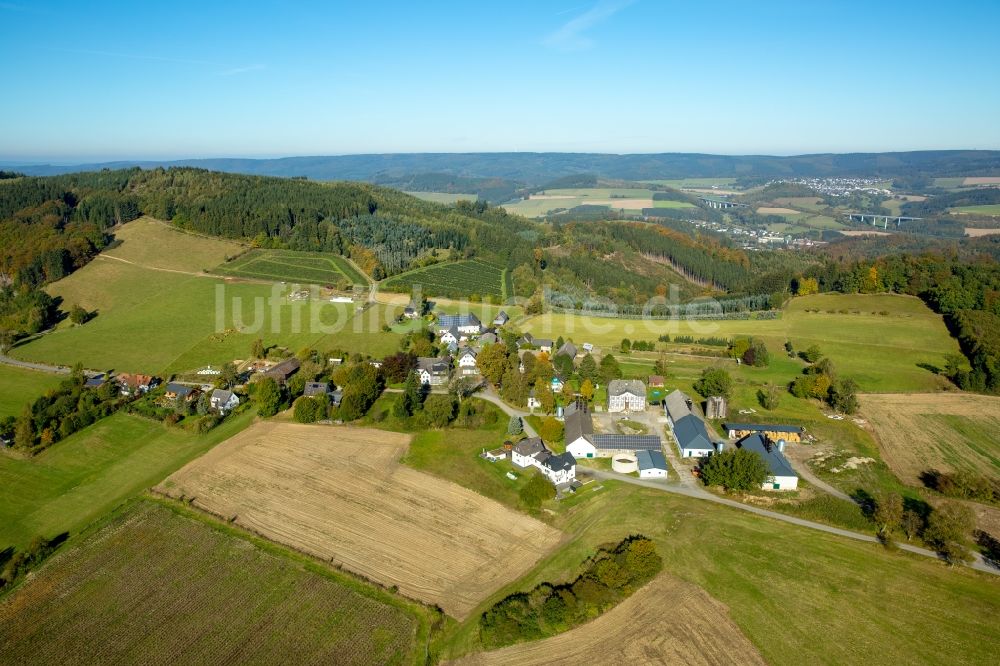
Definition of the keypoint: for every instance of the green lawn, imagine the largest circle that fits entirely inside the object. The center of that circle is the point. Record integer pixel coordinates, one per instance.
(672, 204)
(86, 475)
(161, 322)
(881, 352)
(18, 387)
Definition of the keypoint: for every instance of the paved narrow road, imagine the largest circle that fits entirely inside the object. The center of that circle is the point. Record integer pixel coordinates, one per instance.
(41, 367)
(979, 564)
(695, 491)
(490, 395)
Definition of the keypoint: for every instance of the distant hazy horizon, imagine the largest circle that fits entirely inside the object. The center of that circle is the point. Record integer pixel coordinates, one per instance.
(114, 81)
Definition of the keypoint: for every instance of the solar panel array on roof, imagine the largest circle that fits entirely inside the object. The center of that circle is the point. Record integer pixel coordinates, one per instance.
(626, 442)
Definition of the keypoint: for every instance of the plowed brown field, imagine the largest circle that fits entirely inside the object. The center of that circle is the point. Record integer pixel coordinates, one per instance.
(917, 432)
(666, 622)
(340, 494)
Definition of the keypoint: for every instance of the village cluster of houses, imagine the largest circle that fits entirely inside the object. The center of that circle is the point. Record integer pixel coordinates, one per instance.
(134, 385)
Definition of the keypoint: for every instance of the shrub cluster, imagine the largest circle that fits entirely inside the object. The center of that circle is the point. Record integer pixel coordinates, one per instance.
(608, 577)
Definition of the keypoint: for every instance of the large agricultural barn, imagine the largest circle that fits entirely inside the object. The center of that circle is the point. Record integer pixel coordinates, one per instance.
(583, 442)
(693, 440)
(781, 475)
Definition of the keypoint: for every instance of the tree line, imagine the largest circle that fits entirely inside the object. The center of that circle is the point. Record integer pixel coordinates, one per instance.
(610, 576)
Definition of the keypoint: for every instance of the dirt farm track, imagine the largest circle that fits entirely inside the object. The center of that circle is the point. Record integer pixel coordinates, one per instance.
(340, 494)
(696, 630)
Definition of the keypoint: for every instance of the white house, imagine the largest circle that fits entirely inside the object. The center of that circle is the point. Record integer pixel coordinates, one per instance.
(451, 336)
(579, 430)
(223, 401)
(558, 469)
(433, 371)
(467, 362)
(626, 395)
(410, 313)
(652, 464)
(501, 319)
(468, 324)
(543, 344)
(533, 402)
(781, 475)
(557, 385)
(524, 452)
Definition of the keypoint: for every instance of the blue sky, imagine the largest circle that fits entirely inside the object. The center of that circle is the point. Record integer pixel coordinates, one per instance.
(197, 79)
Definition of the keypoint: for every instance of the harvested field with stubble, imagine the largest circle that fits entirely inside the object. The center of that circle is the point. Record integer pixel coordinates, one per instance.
(158, 587)
(340, 494)
(944, 431)
(668, 621)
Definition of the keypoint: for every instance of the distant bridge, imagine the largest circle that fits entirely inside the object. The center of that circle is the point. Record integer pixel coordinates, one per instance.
(721, 203)
(875, 220)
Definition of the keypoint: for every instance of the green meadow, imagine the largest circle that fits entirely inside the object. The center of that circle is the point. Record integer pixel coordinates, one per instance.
(882, 352)
(86, 475)
(988, 209)
(160, 322)
(19, 386)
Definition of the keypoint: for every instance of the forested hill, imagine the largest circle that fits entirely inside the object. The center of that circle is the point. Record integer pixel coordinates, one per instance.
(50, 226)
(538, 168)
(383, 229)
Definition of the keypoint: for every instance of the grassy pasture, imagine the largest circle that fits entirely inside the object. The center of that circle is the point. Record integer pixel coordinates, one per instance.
(988, 209)
(458, 279)
(290, 266)
(149, 242)
(19, 386)
(83, 477)
(443, 197)
(881, 352)
(158, 586)
(948, 432)
(794, 593)
(166, 322)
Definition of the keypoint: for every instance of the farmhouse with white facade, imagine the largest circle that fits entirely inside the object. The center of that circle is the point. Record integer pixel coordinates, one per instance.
(560, 469)
(626, 395)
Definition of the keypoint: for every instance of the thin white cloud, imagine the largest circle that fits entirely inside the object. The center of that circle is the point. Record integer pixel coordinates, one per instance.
(241, 70)
(571, 35)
